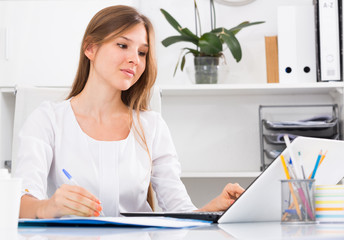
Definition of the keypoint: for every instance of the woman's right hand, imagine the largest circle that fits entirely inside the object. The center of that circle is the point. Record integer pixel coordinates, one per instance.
(70, 200)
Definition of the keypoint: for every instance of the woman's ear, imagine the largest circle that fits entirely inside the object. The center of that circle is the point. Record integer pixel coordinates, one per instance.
(90, 50)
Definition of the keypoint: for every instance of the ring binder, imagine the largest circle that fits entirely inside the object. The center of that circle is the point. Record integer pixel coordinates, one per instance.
(296, 44)
(328, 40)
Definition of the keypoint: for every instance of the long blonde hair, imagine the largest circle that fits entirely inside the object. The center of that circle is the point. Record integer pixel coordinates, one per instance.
(106, 25)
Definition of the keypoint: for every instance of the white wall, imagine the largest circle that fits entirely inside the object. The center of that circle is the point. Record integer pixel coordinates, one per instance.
(43, 37)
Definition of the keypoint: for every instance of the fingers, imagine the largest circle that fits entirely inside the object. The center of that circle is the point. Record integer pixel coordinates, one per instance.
(227, 197)
(79, 208)
(81, 191)
(80, 200)
(75, 200)
(69, 211)
(234, 190)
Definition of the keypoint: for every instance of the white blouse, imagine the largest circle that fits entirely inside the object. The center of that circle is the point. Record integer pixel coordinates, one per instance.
(117, 172)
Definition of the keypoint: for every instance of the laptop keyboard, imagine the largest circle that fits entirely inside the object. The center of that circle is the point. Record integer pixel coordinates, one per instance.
(207, 216)
(209, 213)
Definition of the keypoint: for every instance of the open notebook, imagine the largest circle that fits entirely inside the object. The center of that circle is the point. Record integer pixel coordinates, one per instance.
(261, 201)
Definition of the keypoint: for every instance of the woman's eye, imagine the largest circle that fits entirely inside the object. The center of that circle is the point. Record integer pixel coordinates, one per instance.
(142, 54)
(122, 45)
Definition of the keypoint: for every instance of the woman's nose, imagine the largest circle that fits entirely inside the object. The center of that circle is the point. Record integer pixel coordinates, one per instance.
(134, 58)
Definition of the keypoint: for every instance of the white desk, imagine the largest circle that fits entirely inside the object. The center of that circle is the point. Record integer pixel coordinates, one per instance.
(266, 230)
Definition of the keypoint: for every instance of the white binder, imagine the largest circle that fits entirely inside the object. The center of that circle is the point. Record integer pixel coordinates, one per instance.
(296, 44)
(328, 36)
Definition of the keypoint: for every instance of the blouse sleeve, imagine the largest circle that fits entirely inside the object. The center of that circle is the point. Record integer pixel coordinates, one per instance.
(35, 151)
(170, 190)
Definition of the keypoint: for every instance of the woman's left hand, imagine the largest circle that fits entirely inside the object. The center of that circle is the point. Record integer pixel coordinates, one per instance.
(228, 195)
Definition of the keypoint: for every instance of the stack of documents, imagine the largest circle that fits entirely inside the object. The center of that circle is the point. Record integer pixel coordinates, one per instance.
(161, 222)
(322, 121)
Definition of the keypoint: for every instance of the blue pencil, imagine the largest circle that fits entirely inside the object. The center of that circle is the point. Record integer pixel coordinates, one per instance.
(316, 165)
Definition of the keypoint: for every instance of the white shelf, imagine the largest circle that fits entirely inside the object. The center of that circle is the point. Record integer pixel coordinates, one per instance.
(257, 89)
(220, 174)
(7, 89)
(12, 89)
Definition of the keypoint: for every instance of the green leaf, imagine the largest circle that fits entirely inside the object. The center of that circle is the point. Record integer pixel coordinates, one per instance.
(183, 60)
(174, 39)
(242, 25)
(187, 32)
(171, 20)
(218, 30)
(175, 69)
(182, 64)
(233, 44)
(193, 51)
(210, 44)
(178, 27)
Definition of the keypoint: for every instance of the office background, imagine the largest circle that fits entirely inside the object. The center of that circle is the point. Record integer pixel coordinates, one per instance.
(48, 34)
(215, 128)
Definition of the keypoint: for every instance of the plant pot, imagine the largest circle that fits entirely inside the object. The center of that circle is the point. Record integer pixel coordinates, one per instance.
(206, 70)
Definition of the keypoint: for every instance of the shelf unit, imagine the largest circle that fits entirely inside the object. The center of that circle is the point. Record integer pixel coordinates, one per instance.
(220, 174)
(216, 128)
(256, 89)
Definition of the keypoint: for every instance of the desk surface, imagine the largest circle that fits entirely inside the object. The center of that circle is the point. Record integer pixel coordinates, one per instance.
(265, 230)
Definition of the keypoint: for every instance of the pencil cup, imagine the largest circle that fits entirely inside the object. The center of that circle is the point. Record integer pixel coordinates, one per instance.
(10, 189)
(298, 201)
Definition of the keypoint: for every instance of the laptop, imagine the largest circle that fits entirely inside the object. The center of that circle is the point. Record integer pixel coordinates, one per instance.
(261, 201)
(205, 216)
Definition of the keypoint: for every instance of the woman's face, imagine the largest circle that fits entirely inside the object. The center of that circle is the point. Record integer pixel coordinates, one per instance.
(121, 61)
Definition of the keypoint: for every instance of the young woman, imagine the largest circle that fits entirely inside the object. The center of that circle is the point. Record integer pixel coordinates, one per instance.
(103, 134)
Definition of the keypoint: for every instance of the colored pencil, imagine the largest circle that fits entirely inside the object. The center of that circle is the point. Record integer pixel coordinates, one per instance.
(291, 187)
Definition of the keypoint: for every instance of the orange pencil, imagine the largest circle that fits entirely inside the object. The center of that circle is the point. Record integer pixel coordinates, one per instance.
(291, 187)
(321, 160)
(322, 157)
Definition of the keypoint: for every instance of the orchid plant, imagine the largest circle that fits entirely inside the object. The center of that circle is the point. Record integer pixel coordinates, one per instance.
(209, 43)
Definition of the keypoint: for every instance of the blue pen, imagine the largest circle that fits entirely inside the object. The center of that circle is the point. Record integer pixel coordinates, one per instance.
(75, 183)
(316, 165)
(291, 169)
(70, 177)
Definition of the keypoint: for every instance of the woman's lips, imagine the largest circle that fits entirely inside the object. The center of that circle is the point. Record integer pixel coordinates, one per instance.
(128, 72)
